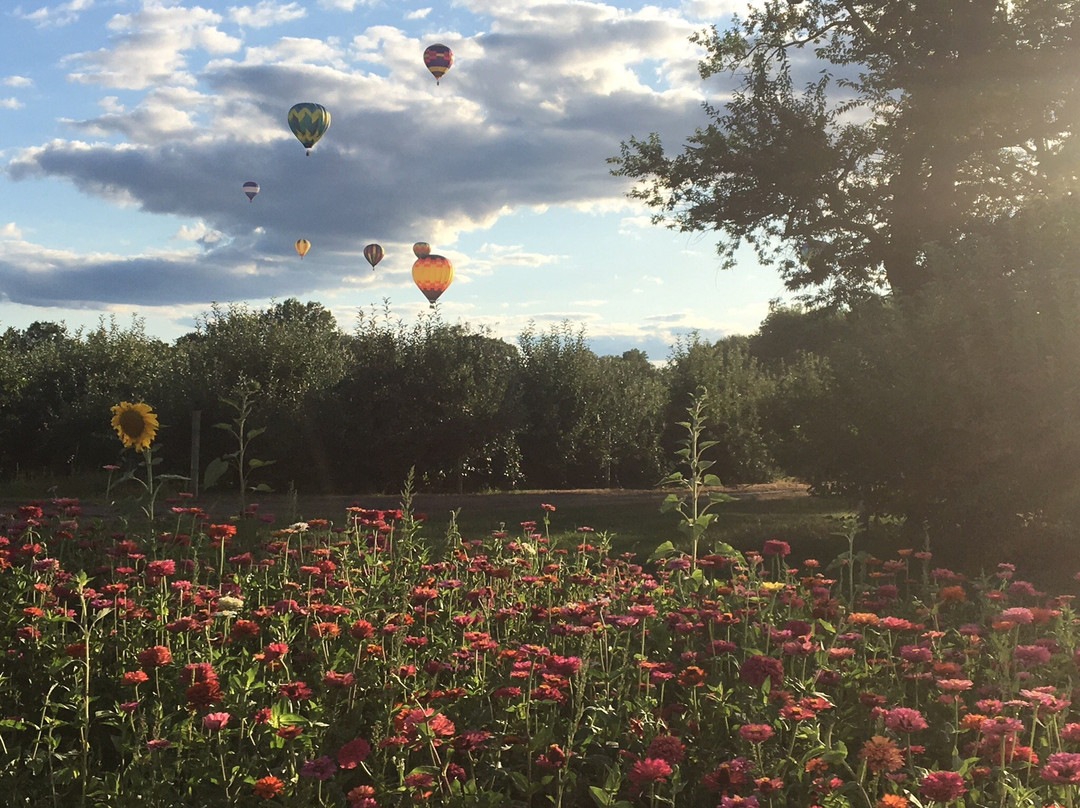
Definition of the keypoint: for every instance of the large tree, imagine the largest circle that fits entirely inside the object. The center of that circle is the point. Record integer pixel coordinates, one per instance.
(862, 132)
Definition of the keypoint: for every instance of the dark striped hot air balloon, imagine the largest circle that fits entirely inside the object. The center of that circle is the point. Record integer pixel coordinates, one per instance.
(252, 190)
(432, 275)
(421, 249)
(374, 254)
(309, 122)
(438, 59)
(302, 246)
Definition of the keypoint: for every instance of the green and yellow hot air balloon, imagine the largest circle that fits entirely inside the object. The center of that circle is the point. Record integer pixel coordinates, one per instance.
(432, 275)
(302, 246)
(309, 122)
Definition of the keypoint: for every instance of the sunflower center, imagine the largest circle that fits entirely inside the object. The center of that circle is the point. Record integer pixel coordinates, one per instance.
(133, 423)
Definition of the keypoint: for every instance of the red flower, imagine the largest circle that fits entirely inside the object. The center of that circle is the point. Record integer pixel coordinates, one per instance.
(295, 691)
(353, 753)
(204, 694)
(362, 797)
(154, 657)
(134, 678)
(268, 787)
(755, 733)
(757, 668)
(667, 747)
(943, 787)
(649, 770)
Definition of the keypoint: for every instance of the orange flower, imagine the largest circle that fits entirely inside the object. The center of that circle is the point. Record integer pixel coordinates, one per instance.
(952, 594)
(882, 755)
(892, 801)
(692, 676)
(268, 787)
(863, 619)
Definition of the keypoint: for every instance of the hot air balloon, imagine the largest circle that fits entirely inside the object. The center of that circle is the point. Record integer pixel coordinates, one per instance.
(309, 122)
(302, 246)
(438, 59)
(252, 190)
(421, 249)
(374, 254)
(432, 275)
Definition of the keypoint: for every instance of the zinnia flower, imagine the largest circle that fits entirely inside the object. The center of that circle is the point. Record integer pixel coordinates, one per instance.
(755, 733)
(1062, 767)
(215, 721)
(136, 424)
(353, 753)
(268, 787)
(943, 787)
(904, 719)
(649, 770)
(882, 755)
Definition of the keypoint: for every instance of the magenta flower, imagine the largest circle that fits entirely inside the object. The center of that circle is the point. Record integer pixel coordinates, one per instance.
(904, 719)
(649, 770)
(944, 787)
(1062, 767)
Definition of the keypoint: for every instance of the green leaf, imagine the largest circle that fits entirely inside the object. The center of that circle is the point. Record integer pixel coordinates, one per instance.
(712, 481)
(601, 797)
(258, 464)
(663, 551)
(214, 471)
(254, 433)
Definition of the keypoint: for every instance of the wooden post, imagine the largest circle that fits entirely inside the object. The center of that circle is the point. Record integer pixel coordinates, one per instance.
(196, 429)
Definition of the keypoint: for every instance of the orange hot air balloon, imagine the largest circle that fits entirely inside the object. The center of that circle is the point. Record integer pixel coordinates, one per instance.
(421, 249)
(374, 254)
(432, 275)
(302, 246)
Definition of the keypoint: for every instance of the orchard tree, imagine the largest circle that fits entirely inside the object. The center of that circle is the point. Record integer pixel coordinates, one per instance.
(860, 134)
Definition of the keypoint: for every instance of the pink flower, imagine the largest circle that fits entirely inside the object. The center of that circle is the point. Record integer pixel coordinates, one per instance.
(649, 770)
(943, 787)
(215, 721)
(904, 719)
(1062, 767)
(755, 733)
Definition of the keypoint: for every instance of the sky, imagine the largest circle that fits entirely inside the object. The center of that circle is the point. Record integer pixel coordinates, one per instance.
(130, 126)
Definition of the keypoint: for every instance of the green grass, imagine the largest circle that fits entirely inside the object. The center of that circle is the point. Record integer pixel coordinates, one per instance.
(809, 524)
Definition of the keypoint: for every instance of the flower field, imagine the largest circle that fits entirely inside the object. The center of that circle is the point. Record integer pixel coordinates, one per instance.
(359, 663)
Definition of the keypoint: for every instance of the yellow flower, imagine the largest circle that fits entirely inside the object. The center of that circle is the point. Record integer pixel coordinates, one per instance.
(136, 424)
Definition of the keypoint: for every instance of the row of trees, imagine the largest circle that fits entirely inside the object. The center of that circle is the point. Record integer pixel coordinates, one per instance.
(355, 411)
(957, 406)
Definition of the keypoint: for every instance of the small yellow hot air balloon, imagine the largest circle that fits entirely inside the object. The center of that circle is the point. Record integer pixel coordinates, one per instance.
(432, 275)
(421, 249)
(302, 246)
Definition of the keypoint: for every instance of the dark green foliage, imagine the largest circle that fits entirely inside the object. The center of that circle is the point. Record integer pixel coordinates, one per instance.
(859, 133)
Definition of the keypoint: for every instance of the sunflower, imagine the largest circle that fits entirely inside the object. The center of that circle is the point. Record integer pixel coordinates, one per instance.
(136, 424)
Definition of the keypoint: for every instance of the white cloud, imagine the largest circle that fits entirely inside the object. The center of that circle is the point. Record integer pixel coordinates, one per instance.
(63, 14)
(149, 46)
(266, 13)
(198, 233)
(10, 103)
(344, 5)
(10, 231)
(17, 81)
(418, 14)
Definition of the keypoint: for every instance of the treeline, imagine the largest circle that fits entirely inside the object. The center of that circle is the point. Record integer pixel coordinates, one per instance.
(958, 407)
(355, 411)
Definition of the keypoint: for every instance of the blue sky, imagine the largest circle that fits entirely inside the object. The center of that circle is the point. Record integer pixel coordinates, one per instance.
(131, 125)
